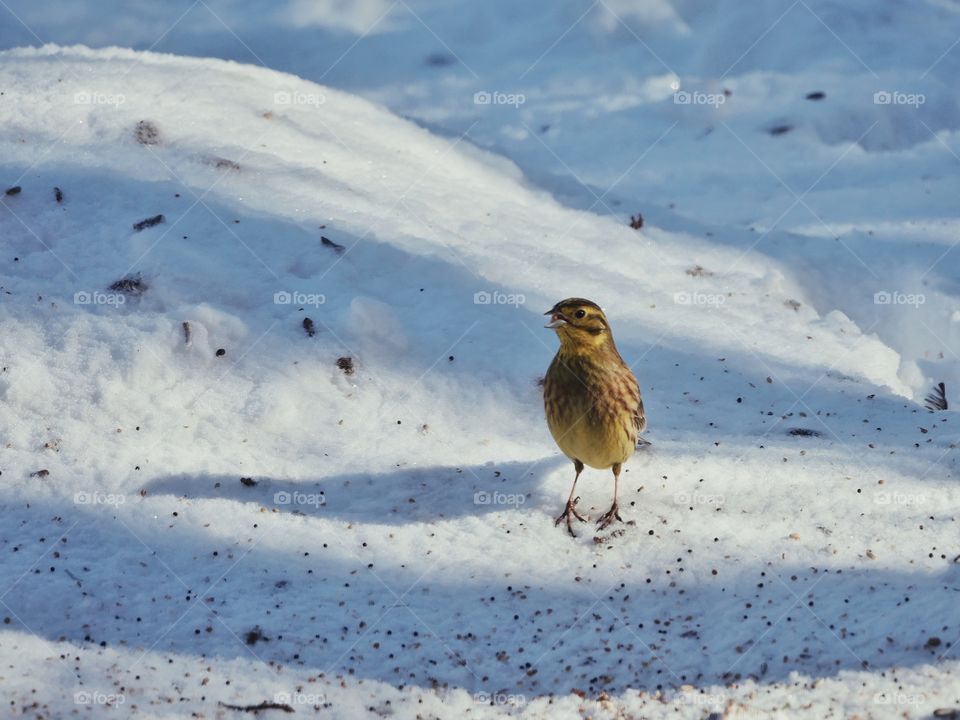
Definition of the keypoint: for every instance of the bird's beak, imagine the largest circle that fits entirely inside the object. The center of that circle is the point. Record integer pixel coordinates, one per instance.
(556, 320)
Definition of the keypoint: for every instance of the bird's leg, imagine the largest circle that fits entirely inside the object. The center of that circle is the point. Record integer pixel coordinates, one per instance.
(572, 502)
(612, 514)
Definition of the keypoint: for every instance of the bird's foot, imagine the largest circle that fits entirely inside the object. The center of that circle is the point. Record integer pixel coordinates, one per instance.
(608, 517)
(571, 510)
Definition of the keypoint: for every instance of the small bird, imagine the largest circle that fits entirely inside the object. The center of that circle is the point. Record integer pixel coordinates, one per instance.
(592, 399)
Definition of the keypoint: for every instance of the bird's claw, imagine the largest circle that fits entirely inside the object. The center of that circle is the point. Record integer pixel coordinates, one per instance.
(568, 511)
(608, 517)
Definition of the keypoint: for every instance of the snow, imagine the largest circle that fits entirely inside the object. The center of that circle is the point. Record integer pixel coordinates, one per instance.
(791, 538)
(591, 109)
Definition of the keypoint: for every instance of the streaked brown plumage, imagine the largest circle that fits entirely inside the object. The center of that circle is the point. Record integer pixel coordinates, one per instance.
(591, 397)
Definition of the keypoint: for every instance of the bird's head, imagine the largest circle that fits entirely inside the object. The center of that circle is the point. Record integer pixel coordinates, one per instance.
(580, 324)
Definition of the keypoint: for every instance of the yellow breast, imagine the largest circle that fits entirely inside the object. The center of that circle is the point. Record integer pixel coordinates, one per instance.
(591, 409)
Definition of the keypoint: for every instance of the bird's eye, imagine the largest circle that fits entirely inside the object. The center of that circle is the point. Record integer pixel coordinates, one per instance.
(579, 314)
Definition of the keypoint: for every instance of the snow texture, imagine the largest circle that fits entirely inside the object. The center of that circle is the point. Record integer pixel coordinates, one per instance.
(285, 444)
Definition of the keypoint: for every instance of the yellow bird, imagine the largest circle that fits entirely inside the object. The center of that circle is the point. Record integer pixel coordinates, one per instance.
(592, 399)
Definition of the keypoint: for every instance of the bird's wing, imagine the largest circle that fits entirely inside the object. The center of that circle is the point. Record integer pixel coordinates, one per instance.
(639, 418)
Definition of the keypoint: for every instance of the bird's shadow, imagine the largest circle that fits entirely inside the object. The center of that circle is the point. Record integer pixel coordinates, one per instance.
(403, 495)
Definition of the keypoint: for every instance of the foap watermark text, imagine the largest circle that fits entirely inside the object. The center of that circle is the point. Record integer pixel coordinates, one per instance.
(299, 298)
(482, 497)
(299, 98)
(899, 498)
(894, 97)
(94, 97)
(498, 298)
(699, 298)
(97, 297)
(896, 297)
(95, 697)
(685, 97)
(499, 698)
(98, 498)
(698, 498)
(499, 98)
(298, 498)
(299, 698)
